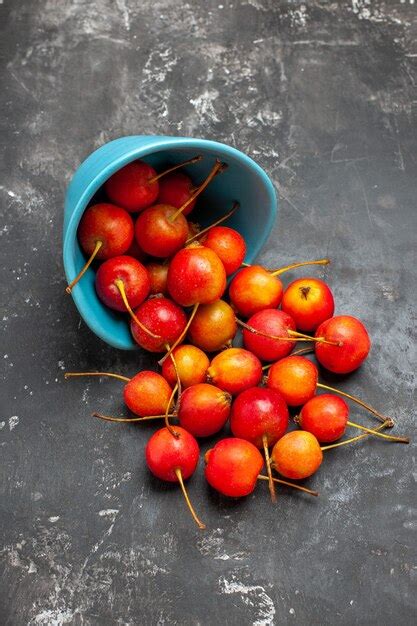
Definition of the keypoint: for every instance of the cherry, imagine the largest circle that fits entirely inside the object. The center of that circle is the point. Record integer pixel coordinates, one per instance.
(273, 323)
(122, 274)
(145, 394)
(297, 455)
(105, 231)
(160, 316)
(161, 230)
(235, 370)
(204, 409)
(309, 301)
(158, 273)
(196, 276)
(213, 327)
(191, 365)
(260, 416)
(135, 186)
(327, 417)
(228, 244)
(136, 251)
(353, 340)
(174, 459)
(255, 288)
(175, 190)
(233, 466)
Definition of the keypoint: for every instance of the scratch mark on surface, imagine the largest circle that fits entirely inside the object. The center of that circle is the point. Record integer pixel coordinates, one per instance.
(253, 596)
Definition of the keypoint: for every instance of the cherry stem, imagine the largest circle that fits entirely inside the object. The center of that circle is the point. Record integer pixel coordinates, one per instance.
(174, 363)
(181, 337)
(382, 418)
(127, 420)
(386, 424)
(109, 374)
(268, 469)
(253, 330)
(303, 337)
(85, 268)
(281, 270)
(187, 499)
(302, 351)
(374, 432)
(121, 287)
(288, 484)
(215, 169)
(216, 223)
(173, 432)
(195, 159)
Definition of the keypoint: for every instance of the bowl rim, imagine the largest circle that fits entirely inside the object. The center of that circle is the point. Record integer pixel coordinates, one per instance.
(114, 163)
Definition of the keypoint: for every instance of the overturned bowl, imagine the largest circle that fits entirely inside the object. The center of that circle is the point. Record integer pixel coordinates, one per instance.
(243, 180)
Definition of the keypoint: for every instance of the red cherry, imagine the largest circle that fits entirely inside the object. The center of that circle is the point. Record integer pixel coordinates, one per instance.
(133, 276)
(235, 370)
(175, 190)
(271, 322)
(159, 232)
(105, 231)
(354, 342)
(136, 251)
(325, 416)
(173, 459)
(233, 466)
(158, 273)
(133, 186)
(213, 327)
(295, 377)
(260, 416)
(162, 317)
(196, 276)
(297, 455)
(204, 409)
(147, 393)
(309, 301)
(192, 365)
(229, 246)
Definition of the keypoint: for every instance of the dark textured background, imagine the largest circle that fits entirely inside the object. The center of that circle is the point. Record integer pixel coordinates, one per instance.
(322, 94)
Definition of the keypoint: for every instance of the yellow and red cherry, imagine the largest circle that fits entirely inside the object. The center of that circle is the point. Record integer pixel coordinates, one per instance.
(297, 455)
(353, 344)
(213, 327)
(228, 244)
(233, 466)
(190, 365)
(235, 370)
(204, 409)
(162, 317)
(295, 377)
(309, 301)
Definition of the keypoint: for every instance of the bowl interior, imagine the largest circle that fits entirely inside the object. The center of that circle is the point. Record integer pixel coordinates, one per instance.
(243, 181)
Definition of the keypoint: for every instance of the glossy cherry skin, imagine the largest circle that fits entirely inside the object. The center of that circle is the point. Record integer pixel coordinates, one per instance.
(297, 455)
(354, 339)
(196, 275)
(147, 393)
(130, 188)
(204, 409)
(158, 234)
(229, 246)
(192, 365)
(254, 289)
(135, 279)
(165, 453)
(111, 225)
(233, 466)
(235, 370)
(213, 327)
(295, 377)
(258, 413)
(162, 317)
(271, 322)
(325, 416)
(309, 301)
(176, 189)
(158, 274)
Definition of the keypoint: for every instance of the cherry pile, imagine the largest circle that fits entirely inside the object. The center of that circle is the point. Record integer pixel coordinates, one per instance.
(170, 277)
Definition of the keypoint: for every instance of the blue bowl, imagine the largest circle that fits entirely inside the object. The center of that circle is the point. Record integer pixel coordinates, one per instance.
(243, 180)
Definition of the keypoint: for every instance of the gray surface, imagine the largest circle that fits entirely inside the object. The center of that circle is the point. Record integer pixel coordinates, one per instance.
(322, 95)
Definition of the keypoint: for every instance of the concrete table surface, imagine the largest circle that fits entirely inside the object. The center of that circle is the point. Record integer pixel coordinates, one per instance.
(323, 95)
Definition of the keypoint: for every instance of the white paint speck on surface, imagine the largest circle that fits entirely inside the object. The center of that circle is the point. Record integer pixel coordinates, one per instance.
(108, 512)
(2, 425)
(53, 519)
(13, 422)
(253, 596)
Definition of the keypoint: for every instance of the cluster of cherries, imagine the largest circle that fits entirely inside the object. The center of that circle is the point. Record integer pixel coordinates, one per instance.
(171, 278)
